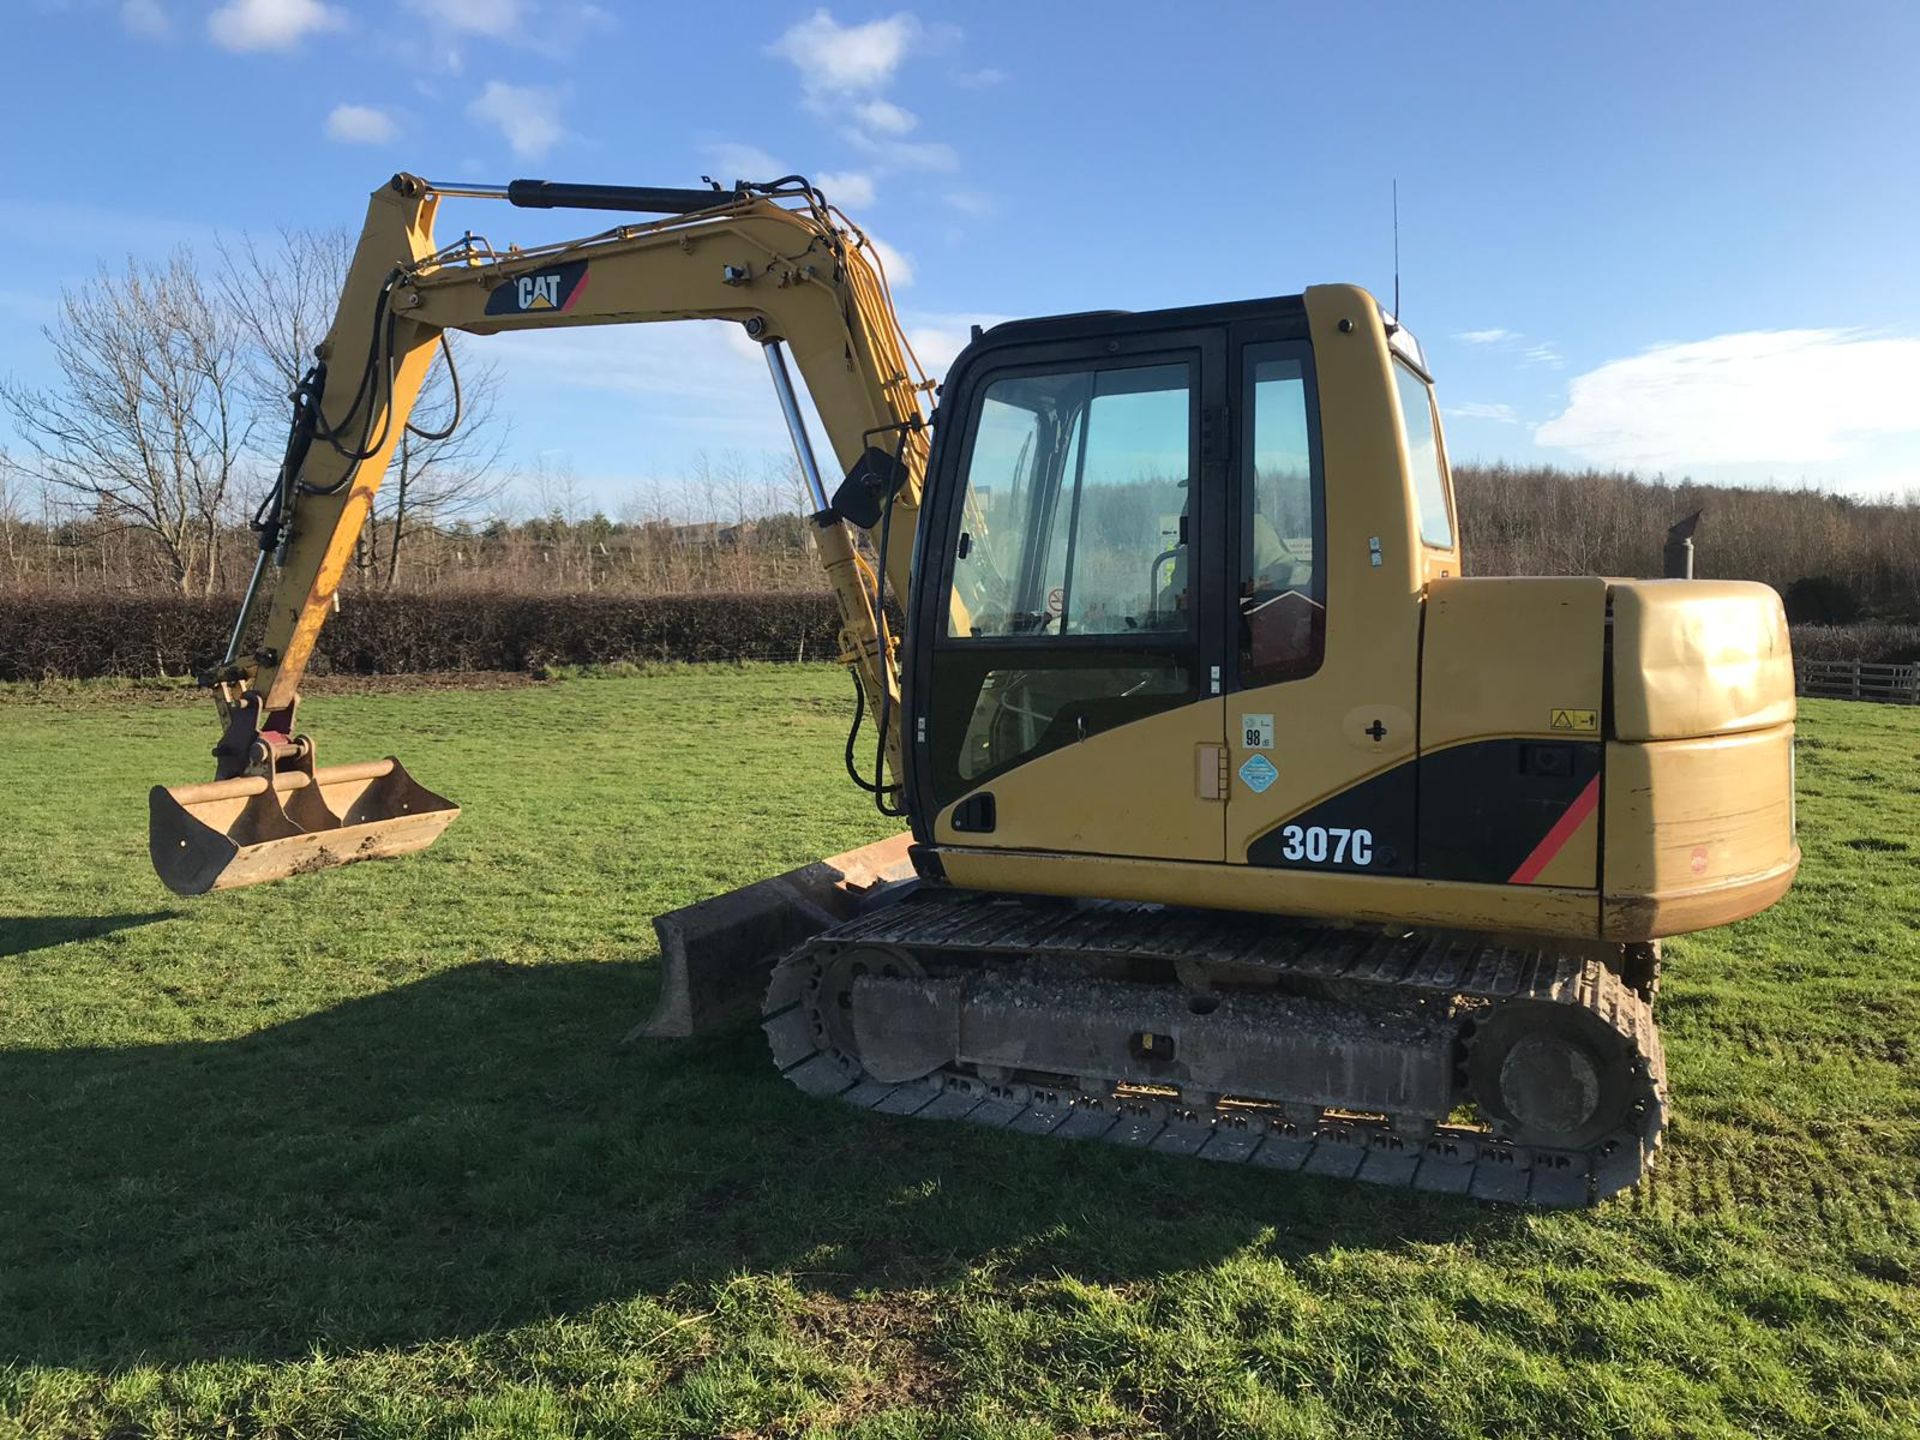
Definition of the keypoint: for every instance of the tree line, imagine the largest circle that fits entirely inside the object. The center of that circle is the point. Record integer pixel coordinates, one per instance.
(733, 524)
(136, 469)
(168, 411)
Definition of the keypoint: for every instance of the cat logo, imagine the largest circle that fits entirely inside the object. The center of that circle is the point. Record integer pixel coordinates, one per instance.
(539, 292)
(542, 290)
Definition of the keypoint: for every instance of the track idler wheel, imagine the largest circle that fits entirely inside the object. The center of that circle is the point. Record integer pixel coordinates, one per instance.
(898, 1032)
(1550, 1075)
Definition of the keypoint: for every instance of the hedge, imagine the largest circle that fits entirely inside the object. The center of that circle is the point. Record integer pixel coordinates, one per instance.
(1875, 642)
(49, 637)
(45, 637)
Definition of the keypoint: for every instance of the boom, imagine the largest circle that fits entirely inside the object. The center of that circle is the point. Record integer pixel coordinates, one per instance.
(775, 259)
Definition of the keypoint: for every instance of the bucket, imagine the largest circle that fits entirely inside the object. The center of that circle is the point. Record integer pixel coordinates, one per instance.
(228, 833)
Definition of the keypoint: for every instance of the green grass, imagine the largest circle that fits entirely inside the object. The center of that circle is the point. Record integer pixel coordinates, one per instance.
(362, 1155)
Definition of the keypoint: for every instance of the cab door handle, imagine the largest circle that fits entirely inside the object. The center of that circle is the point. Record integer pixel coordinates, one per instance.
(1210, 772)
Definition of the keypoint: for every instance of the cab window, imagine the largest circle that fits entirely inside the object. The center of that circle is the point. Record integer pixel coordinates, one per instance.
(1282, 584)
(1424, 465)
(1075, 514)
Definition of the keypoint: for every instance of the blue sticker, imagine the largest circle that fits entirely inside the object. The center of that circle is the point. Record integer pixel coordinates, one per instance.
(1258, 773)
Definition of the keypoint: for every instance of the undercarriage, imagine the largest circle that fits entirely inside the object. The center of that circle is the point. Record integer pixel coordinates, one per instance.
(1507, 1070)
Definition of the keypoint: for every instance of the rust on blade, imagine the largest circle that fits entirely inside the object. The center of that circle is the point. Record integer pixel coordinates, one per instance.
(715, 956)
(229, 833)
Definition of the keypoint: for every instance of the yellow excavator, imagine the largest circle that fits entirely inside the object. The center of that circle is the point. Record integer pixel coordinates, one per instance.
(1240, 823)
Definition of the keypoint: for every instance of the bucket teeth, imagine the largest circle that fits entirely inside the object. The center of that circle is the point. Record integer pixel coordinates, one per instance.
(229, 833)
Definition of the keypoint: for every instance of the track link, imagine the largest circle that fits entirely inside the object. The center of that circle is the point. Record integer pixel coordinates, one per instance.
(1412, 973)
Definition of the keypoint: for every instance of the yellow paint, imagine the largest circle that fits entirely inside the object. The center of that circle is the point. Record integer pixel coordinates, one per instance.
(1505, 656)
(1698, 657)
(1317, 894)
(1371, 667)
(1700, 831)
(1697, 820)
(1135, 790)
(807, 285)
(398, 229)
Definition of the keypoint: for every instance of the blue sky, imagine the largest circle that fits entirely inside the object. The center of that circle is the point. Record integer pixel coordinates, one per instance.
(1672, 238)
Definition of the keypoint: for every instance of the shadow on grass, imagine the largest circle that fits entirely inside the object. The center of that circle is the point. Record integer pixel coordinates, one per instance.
(474, 1150)
(21, 934)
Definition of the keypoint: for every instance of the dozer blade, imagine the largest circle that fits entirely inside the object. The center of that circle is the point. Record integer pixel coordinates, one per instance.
(229, 833)
(716, 956)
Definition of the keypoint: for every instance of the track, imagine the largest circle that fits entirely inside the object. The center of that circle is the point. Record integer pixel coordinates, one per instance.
(1010, 957)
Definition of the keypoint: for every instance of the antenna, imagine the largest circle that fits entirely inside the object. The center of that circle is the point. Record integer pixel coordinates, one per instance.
(1396, 250)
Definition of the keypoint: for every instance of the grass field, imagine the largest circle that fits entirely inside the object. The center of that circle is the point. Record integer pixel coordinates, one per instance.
(361, 1154)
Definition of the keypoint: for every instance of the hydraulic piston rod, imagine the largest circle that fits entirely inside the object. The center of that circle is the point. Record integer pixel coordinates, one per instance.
(796, 424)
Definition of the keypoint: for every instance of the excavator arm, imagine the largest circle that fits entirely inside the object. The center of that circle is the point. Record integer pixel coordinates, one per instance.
(774, 258)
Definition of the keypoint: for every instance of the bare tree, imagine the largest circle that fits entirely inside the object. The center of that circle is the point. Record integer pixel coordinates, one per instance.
(147, 427)
(14, 529)
(285, 297)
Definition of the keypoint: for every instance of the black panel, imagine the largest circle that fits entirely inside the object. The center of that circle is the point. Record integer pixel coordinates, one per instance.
(975, 814)
(1485, 806)
(1288, 311)
(1158, 680)
(1381, 807)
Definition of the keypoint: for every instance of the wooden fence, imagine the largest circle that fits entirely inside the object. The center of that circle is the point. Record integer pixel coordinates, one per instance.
(1857, 680)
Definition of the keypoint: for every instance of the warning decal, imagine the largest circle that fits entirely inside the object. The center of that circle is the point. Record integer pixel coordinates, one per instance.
(1578, 722)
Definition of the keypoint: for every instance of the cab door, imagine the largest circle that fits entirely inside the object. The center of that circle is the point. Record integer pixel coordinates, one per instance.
(1323, 664)
(1066, 685)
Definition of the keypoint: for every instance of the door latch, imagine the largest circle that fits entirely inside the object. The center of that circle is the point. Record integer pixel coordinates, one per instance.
(1210, 772)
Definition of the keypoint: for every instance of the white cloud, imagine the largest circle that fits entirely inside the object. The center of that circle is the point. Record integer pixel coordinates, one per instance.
(898, 267)
(1768, 397)
(552, 29)
(270, 24)
(846, 59)
(976, 203)
(705, 380)
(937, 338)
(496, 19)
(1512, 342)
(709, 362)
(733, 162)
(906, 154)
(1481, 410)
(527, 117)
(843, 71)
(850, 189)
(884, 117)
(360, 125)
(146, 17)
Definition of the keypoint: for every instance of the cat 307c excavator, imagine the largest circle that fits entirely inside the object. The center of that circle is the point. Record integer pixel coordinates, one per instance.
(1242, 825)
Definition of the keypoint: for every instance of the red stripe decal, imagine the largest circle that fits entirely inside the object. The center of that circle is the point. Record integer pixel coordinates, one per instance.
(1556, 839)
(584, 274)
